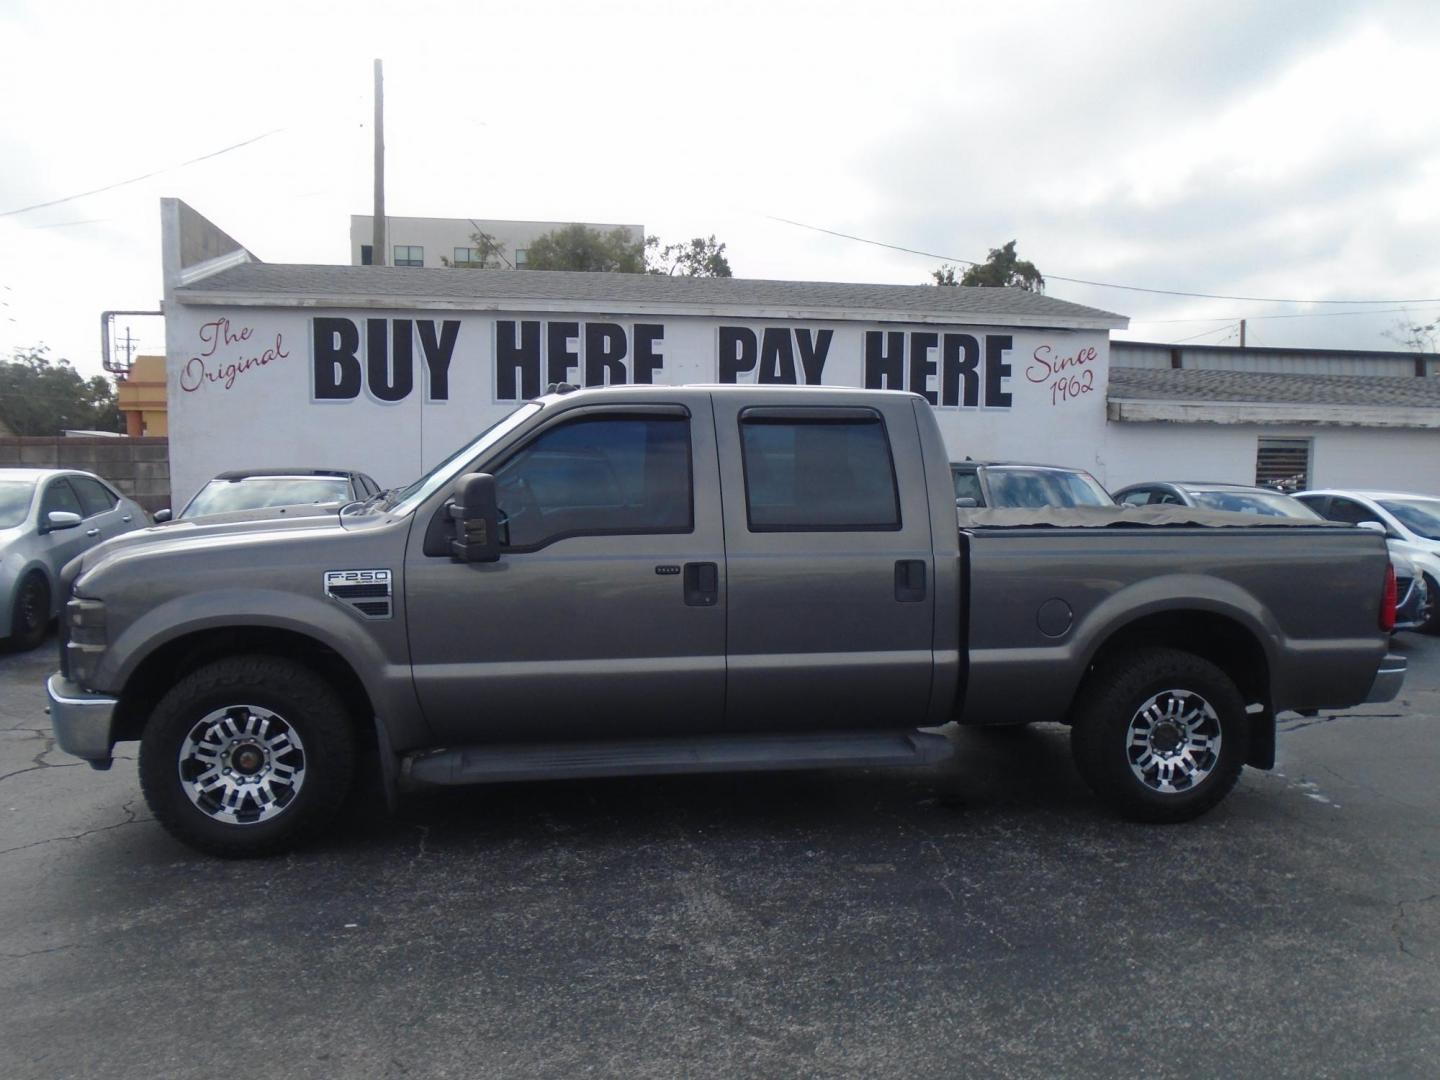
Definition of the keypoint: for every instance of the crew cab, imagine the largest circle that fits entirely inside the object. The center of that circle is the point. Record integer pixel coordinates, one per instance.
(649, 579)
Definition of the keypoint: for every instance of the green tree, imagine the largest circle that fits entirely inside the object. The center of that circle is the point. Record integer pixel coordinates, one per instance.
(40, 396)
(1002, 269)
(489, 253)
(579, 247)
(700, 257)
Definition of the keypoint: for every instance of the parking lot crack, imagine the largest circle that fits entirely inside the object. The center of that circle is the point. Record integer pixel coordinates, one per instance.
(130, 819)
(1396, 926)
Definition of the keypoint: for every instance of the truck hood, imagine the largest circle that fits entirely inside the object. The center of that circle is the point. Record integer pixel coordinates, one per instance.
(178, 535)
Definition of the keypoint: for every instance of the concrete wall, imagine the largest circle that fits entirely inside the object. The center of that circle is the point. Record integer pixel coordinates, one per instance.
(1396, 459)
(139, 468)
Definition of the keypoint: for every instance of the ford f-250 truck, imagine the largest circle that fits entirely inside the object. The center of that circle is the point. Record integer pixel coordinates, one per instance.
(671, 579)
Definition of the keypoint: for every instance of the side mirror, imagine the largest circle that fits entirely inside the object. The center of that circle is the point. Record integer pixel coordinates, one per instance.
(967, 503)
(162, 516)
(61, 519)
(476, 519)
(1371, 526)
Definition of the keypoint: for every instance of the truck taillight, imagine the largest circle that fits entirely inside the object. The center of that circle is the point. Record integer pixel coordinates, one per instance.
(1388, 601)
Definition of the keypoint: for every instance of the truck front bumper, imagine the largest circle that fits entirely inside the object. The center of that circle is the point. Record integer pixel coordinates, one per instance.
(1388, 680)
(82, 721)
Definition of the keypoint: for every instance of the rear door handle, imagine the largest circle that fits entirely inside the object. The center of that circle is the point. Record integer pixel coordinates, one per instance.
(910, 580)
(702, 584)
(126, 518)
(92, 532)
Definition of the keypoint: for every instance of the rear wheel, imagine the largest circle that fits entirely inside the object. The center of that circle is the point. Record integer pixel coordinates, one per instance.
(30, 616)
(247, 756)
(1160, 735)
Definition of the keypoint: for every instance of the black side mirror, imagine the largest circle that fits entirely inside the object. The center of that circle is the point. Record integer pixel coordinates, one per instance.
(476, 518)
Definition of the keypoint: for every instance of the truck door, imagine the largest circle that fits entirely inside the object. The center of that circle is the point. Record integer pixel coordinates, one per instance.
(605, 614)
(830, 572)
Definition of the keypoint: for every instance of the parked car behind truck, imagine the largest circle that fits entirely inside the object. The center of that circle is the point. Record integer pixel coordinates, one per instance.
(47, 517)
(774, 579)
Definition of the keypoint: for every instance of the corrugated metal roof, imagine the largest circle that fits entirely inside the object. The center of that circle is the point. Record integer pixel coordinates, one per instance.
(288, 284)
(1144, 384)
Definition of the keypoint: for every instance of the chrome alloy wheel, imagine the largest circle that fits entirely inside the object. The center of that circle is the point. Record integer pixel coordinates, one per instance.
(1173, 741)
(242, 765)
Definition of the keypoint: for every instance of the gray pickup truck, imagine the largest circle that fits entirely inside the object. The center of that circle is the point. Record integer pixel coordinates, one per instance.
(686, 579)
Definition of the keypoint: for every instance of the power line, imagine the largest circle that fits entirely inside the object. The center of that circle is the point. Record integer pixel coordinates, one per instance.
(1096, 284)
(1300, 315)
(137, 179)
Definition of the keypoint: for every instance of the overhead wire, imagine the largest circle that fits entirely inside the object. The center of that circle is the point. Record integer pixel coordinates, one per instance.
(1085, 281)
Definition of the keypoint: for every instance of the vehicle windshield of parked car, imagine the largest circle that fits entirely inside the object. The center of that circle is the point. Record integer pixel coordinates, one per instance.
(254, 492)
(1262, 503)
(15, 496)
(1036, 488)
(1420, 516)
(412, 496)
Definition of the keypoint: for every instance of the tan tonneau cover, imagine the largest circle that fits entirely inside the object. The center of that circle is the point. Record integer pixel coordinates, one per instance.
(1099, 517)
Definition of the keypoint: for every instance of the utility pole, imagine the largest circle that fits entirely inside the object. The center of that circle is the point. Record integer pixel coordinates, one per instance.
(1242, 333)
(378, 241)
(129, 347)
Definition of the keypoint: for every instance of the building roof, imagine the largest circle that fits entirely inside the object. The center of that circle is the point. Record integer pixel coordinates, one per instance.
(1187, 396)
(1145, 384)
(288, 285)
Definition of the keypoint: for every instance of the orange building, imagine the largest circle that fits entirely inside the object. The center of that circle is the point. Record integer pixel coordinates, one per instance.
(142, 397)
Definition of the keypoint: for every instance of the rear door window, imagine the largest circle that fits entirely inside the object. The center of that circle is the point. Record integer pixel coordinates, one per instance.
(830, 474)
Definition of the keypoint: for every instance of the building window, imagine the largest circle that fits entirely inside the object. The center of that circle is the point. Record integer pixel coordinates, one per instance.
(465, 256)
(409, 255)
(521, 258)
(1283, 464)
(367, 255)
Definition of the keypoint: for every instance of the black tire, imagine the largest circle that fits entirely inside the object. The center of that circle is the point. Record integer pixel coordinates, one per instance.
(314, 739)
(1169, 681)
(30, 613)
(1432, 624)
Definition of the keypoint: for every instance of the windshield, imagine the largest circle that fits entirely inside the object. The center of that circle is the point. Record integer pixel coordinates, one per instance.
(228, 496)
(1420, 516)
(412, 496)
(14, 501)
(1033, 488)
(1264, 503)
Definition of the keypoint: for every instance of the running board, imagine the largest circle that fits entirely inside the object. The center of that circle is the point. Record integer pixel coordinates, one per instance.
(702, 754)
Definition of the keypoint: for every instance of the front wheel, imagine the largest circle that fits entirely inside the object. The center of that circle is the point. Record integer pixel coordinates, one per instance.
(30, 616)
(1431, 623)
(247, 756)
(1160, 735)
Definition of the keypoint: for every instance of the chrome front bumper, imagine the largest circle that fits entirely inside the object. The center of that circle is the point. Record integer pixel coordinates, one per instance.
(82, 720)
(1388, 680)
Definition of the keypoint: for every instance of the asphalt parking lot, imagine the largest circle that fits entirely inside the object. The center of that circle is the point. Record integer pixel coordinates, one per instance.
(982, 918)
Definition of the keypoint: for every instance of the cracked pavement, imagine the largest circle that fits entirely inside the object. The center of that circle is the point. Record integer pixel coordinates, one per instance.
(983, 918)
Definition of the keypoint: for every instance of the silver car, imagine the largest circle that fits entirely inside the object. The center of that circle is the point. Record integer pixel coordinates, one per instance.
(47, 517)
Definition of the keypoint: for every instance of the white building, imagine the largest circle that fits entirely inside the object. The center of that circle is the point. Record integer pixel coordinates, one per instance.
(423, 241)
(389, 369)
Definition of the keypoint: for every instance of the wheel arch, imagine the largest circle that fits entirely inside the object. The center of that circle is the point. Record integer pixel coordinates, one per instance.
(1224, 640)
(177, 657)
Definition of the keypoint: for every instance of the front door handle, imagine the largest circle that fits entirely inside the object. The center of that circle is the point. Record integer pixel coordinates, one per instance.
(910, 580)
(92, 532)
(702, 584)
(126, 518)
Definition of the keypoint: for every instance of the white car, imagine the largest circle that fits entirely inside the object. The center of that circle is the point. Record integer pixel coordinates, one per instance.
(47, 517)
(1412, 528)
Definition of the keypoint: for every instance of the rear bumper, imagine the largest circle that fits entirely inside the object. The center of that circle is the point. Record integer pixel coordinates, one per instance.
(1388, 680)
(83, 721)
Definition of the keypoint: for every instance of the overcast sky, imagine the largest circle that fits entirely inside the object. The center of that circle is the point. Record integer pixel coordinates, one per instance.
(1270, 149)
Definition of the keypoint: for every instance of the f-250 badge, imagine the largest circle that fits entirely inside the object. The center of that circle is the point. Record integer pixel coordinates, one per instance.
(366, 591)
